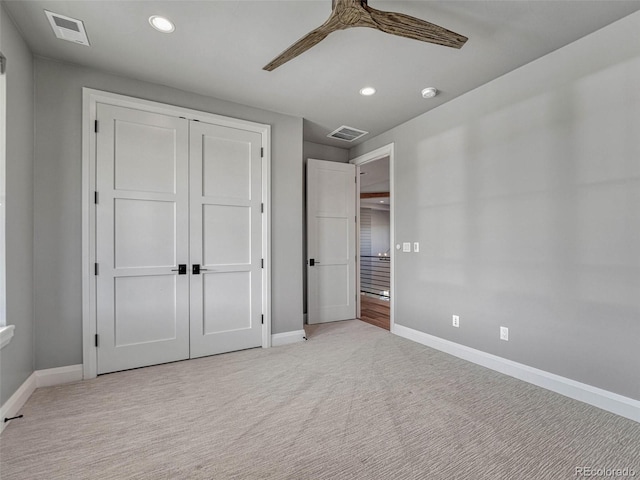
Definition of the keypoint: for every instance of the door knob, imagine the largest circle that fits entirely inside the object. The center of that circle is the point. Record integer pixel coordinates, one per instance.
(196, 269)
(182, 269)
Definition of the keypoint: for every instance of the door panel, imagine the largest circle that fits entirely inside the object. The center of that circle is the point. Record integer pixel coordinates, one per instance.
(142, 306)
(226, 168)
(226, 239)
(145, 157)
(335, 281)
(333, 189)
(227, 302)
(227, 235)
(139, 224)
(139, 321)
(331, 235)
(331, 241)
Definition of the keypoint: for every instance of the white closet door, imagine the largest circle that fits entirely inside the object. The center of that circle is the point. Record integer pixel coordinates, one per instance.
(226, 239)
(142, 228)
(331, 241)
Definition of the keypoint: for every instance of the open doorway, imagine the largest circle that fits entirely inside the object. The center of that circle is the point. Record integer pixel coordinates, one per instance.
(375, 243)
(333, 256)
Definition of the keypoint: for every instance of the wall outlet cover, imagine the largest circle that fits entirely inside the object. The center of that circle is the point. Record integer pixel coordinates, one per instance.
(455, 321)
(504, 334)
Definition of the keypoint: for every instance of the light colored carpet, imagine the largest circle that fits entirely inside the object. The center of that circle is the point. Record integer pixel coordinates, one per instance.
(353, 402)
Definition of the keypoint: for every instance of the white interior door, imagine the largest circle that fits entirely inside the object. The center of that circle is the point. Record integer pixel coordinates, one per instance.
(331, 241)
(226, 239)
(142, 232)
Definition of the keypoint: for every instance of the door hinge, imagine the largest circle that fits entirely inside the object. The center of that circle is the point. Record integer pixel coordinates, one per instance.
(96, 270)
(261, 152)
(262, 208)
(262, 318)
(97, 343)
(95, 197)
(262, 263)
(95, 126)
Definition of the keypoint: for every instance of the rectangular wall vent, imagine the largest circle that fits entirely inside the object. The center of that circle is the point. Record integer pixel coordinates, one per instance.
(67, 28)
(348, 134)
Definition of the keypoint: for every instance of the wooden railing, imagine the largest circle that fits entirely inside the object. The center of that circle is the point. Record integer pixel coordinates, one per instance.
(375, 275)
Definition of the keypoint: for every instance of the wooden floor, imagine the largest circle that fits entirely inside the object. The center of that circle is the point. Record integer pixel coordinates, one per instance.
(375, 311)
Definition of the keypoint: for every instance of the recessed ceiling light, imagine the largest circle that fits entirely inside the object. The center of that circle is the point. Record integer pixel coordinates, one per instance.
(367, 91)
(429, 92)
(162, 24)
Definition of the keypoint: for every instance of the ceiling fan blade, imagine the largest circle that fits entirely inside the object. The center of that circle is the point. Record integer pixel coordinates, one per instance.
(411, 27)
(305, 43)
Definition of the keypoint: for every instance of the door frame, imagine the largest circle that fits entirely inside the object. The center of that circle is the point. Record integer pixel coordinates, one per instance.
(378, 154)
(90, 99)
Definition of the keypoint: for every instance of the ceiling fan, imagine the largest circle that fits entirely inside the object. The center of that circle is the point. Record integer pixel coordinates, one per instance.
(356, 13)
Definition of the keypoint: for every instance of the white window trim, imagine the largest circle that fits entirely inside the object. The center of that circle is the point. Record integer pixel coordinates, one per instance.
(6, 334)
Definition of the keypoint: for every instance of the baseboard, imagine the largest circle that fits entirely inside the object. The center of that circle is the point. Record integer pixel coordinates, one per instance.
(279, 339)
(58, 376)
(609, 401)
(39, 378)
(12, 406)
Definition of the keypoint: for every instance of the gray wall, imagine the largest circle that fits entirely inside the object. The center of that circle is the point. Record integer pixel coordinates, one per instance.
(58, 339)
(375, 227)
(324, 152)
(380, 225)
(317, 152)
(17, 358)
(525, 196)
(365, 232)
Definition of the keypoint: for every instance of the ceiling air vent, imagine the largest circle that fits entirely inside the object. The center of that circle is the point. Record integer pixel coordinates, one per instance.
(67, 28)
(348, 134)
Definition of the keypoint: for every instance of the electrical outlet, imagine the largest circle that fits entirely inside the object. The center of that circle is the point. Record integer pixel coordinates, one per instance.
(416, 246)
(456, 321)
(504, 334)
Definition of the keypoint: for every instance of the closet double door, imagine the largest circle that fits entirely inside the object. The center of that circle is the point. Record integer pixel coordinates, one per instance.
(178, 238)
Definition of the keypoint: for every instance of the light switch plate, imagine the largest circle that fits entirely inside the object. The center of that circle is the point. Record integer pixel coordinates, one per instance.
(406, 246)
(416, 246)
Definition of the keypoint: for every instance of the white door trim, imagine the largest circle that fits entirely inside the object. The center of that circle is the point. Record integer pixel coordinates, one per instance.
(377, 154)
(90, 99)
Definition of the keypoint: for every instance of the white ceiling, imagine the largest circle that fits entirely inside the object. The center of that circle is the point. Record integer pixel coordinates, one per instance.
(374, 178)
(219, 49)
